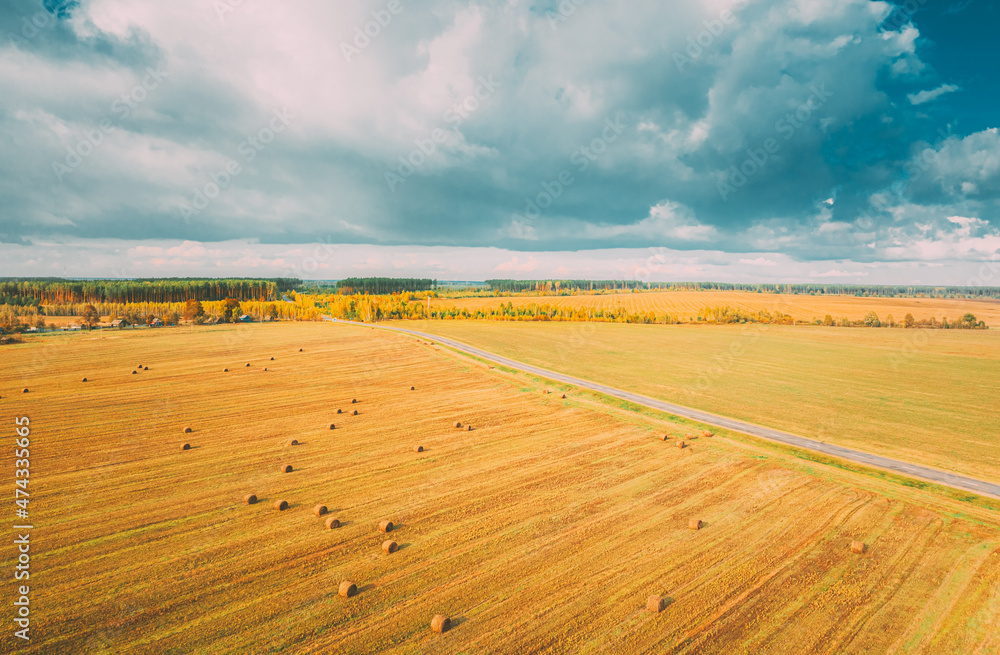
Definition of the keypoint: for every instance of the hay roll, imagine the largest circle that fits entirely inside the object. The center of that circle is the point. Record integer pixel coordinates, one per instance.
(707, 434)
(332, 523)
(390, 546)
(681, 444)
(145, 368)
(666, 437)
(320, 510)
(287, 468)
(413, 388)
(248, 364)
(440, 623)
(858, 547)
(385, 526)
(225, 370)
(354, 401)
(418, 449)
(694, 524)
(655, 604)
(458, 424)
(333, 426)
(293, 442)
(355, 413)
(347, 589)
(272, 359)
(84, 379)
(186, 446)
(135, 372)
(564, 396)
(281, 505)
(340, 411)
(188, 430)
(250, 499)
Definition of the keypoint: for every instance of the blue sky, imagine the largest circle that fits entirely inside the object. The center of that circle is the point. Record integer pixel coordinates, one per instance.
(838, 141)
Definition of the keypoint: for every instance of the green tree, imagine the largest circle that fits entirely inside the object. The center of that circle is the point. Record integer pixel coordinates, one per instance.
(272, 312)
(909, 321)
(871, 320)
(90, 316)
(229, 309)
(828, 320)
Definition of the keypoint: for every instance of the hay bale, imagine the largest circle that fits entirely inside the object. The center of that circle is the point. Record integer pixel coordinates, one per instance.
(354, 413)
(320, 510)
(84, 379)
(300, 350)
(272, 359)
(287, 468)
(281, 505)
(440, 623)
(707, 434)
(694, 524)
(340, 411)
(390, 546)
(413, 388)
(188, 430)
(666, 437)
(469, 428)
(250, 499)
(332, 523)
(354, 401)
(655, 604)
(293, 442)
(248, 364)
(385, 526)
(145, 368)
(186, 446)
(858, 547)
(333, 426)
(681, 444)
(265, 368)
(225, 370)
(347, 589)
(458, 424)
(135, 372)
(418, 449)
(564, 396)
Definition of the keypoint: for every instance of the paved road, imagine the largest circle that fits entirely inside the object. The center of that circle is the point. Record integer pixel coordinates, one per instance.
(896, 466)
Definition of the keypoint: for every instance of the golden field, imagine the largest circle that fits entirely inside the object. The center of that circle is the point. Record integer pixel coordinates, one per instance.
(687, 305)
(923, 396)
(542, 530)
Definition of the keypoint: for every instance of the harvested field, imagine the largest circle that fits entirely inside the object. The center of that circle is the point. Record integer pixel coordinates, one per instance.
(922, 396)
(687, 305)
(547, 529)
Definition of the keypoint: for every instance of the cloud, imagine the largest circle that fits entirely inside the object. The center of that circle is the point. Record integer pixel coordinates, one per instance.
(926, 96)
(551, 96)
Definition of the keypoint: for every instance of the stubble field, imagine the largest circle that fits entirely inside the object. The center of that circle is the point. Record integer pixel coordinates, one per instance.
(923, 396)
(542, 530)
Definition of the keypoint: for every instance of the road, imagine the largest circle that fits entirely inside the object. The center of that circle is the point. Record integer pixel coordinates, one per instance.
(903, 468)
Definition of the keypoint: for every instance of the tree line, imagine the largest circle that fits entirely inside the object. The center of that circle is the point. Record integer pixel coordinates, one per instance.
(60, 291)
(378, 286)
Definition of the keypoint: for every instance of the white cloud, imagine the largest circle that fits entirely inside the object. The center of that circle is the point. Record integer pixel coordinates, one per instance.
(926, 96)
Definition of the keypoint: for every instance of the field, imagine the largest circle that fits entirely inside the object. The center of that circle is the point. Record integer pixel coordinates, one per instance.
(925, 396)
(687, 305)
(542, 530)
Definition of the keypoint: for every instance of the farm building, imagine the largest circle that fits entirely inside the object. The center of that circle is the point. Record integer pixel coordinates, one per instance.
(245, 319)
(156, 323)
(119, 323)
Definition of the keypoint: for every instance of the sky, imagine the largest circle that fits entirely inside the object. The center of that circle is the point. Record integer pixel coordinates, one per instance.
(847, 141)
